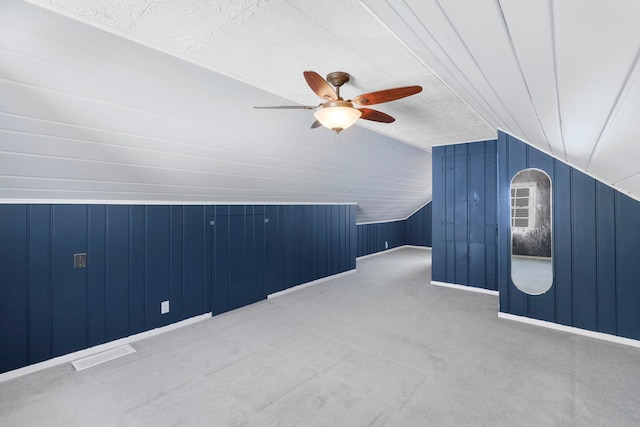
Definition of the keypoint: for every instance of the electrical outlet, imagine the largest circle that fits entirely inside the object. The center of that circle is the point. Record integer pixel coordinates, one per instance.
(164, 307)
(386, 244)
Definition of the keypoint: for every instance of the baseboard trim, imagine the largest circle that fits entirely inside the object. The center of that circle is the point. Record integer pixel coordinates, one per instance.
(308, 284)
(60, 360)
(386, 251)
(571, 329)
(465, 288)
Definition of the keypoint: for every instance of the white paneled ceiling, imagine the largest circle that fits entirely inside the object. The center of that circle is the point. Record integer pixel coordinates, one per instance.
(150, 100)
(561, 74)
(86, 115)
(269, 43)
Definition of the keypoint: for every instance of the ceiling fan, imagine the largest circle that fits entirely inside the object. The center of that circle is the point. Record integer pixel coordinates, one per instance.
(336, 113)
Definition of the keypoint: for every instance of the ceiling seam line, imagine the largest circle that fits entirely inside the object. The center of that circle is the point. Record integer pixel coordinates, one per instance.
(523, 133)
(524, 79)
(617, 105)
(555, 72)
(483, 104)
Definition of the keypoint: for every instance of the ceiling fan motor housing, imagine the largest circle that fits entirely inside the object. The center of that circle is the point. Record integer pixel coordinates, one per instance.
(338, 78)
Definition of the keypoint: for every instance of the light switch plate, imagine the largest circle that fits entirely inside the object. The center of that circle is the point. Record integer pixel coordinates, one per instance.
(80, 260)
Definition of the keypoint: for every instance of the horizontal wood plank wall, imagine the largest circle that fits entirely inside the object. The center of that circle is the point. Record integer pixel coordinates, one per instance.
(596, 239)
(139, 256)
(464, 214)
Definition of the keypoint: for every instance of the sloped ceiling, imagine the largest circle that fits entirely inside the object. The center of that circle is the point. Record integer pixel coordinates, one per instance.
(149, 100)
(561, 75)
(87, 115)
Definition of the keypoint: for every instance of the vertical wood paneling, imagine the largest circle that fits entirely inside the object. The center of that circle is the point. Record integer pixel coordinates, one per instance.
(13, 290)
(96, 273)
(69, 285)
(438, 250)
(461, 272)
(259, 291)
(415, 230)
(335, 238)
(313, 243)
(504, 222)
(221, 261)
(596, 235)
(39, 304)
(158, 264)
(477, 265)
(137, 270)
(461, 200)
(194, 226)
(464, 196)
(491, 272)
(562, 243)
(272, 243)
(606, 258)
(176, 252)
(117, 292)
(237, 286)
(517, 160)
(353, 238)
(323, 247)
(139, 256)
(449, 195)
(476, 194)
(627, 271)
(208, 244)
(292, 232)
(584, 277)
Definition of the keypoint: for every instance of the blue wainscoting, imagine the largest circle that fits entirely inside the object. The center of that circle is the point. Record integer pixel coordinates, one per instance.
(201, 258)
(380, 236)
(464, 214)
(596, 239)
(418, 227)
(415, 230)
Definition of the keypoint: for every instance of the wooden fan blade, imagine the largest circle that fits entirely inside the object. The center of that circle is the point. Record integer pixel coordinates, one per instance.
(376, 116)
(316, 124)
(288, 107)
(386, 95)
(320, 86)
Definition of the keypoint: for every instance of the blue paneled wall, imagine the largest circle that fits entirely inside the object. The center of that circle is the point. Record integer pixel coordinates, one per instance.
(415, 230)
(596, 242)
(464, 214)
(200, 258)
(418, 227)
(380, 236)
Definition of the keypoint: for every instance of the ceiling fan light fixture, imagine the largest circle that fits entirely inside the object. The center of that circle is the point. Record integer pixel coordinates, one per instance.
(337, 115)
